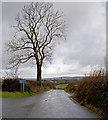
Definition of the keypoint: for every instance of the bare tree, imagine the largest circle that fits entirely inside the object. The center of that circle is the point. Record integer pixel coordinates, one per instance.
(38, 28)
(12, 72)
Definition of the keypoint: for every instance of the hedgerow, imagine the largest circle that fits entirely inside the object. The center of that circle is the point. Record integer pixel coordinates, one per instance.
(94, 90)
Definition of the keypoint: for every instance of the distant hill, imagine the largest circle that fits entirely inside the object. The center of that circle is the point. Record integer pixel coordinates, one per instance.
(60, 78)
(64, 78)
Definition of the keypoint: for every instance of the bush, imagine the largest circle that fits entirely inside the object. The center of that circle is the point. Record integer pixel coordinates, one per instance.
(35, 86)
(72, 85)
(11, 85)
(94, 90)
(49, 84)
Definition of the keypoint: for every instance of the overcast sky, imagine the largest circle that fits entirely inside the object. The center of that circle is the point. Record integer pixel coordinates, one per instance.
(84, 48)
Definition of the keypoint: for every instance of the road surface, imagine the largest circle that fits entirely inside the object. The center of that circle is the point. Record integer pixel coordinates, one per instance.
(50, 104)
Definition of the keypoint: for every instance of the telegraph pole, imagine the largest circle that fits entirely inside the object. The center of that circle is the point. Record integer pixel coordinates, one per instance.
(106, 60)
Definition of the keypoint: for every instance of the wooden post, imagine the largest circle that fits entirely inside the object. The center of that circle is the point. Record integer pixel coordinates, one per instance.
(23, 87)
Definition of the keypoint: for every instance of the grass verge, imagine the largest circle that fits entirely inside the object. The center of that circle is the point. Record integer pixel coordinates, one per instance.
(5, 94)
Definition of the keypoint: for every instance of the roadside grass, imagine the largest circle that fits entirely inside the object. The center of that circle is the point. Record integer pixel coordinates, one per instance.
(61, 86)
(5, 94)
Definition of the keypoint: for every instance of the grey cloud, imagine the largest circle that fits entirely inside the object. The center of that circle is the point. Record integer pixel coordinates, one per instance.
(85, 44)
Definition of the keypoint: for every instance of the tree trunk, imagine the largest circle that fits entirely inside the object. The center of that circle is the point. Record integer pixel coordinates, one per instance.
(39, 73)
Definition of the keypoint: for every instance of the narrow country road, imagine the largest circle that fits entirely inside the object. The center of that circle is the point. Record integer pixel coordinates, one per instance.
(50, 104)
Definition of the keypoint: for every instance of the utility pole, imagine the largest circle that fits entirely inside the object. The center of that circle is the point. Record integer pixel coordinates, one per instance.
(106, 61)
(106, 65)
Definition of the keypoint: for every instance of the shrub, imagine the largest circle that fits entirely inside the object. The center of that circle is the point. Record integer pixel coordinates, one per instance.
(49, 84)
(94, 90)
(72, 85)
(11, 85)
(35, 86)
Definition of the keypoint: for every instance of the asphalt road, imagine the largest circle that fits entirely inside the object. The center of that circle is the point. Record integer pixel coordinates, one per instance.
(50, 104)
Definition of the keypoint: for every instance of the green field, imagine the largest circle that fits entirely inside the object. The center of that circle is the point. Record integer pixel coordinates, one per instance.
(61, 86)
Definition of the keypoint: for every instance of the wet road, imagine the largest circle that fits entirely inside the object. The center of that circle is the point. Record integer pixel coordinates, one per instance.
(50, 104)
